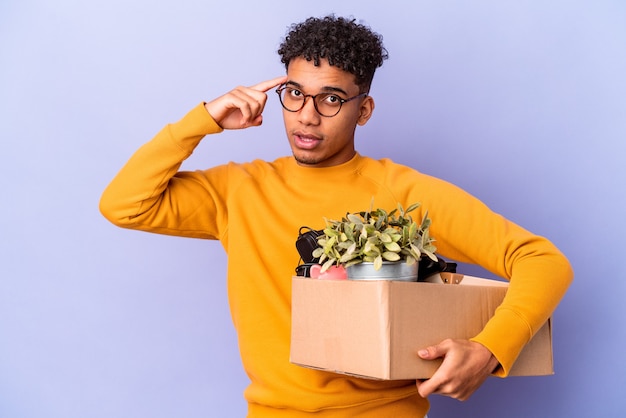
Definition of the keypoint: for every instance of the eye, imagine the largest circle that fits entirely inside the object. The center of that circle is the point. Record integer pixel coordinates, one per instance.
(331, 100)
(295, 93)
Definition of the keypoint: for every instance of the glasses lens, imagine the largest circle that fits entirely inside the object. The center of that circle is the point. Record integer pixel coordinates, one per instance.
(327, 104)
(292, 99)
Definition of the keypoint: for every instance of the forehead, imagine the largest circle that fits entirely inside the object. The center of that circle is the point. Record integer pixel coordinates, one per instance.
(314, 78)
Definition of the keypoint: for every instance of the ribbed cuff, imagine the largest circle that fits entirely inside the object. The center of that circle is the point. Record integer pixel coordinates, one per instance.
(505, 335)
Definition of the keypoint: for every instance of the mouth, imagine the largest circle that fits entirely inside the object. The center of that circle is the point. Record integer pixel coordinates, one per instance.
(305, 141)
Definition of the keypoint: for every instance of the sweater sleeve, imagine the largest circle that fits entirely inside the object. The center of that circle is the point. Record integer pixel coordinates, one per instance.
(540, 277)
(538, 273)
(466, 230)
(149, 194)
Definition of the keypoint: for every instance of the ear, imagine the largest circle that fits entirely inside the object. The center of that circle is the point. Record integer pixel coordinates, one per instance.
(366, 110)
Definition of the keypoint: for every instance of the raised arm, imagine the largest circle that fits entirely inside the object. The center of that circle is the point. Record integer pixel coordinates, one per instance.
(150, 194)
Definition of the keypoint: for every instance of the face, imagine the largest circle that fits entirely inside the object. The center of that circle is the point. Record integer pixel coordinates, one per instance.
(315, 140)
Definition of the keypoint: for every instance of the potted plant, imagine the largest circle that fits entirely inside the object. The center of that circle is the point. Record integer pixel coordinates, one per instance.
(378, 238)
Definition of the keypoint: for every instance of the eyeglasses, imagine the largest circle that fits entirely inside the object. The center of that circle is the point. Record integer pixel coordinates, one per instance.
(326, 104)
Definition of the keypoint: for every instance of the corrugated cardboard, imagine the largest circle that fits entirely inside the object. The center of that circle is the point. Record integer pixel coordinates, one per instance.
(373, 329)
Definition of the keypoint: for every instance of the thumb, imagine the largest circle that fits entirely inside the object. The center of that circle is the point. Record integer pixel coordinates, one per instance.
(431, 352)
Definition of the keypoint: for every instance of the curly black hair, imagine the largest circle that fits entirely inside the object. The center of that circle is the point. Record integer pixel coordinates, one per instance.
(348, 45)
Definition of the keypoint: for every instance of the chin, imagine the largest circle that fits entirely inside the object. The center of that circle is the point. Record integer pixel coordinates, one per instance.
(306, 159)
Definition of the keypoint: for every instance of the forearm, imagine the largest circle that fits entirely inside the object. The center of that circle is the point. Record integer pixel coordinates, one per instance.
(135, 194)
(468, 231)
(539, 280)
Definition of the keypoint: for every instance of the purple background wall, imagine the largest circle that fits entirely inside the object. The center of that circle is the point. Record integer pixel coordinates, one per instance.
(521, 104)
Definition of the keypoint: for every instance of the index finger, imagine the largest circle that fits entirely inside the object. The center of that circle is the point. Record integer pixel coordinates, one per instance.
(266, 85)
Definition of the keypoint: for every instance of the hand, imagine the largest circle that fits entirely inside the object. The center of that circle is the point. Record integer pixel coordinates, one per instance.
(466, 365)
(243, 106)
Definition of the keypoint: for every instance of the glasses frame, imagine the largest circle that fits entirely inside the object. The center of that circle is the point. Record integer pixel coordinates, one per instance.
(282, 87)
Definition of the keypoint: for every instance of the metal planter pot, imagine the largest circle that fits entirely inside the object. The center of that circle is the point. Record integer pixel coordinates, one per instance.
(398, 270)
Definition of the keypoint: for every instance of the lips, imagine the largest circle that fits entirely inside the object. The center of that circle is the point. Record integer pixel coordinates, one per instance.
(306, 141)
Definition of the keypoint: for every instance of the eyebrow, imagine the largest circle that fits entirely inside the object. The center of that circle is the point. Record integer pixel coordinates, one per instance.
(326, 89)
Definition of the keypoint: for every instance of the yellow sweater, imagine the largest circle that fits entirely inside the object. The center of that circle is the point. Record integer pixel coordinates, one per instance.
(256, 209)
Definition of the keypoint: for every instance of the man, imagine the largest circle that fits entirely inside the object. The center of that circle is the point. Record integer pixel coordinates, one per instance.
(256, 209)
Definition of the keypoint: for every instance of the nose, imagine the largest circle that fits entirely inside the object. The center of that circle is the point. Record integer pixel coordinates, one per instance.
(308, 114)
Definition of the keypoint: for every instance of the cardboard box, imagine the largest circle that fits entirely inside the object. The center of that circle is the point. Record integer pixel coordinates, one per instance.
(373, 329)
